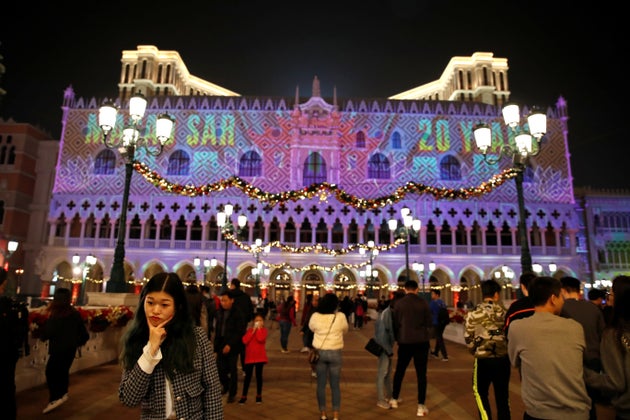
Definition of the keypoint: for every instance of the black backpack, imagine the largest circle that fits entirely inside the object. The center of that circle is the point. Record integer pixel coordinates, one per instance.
(443, 316)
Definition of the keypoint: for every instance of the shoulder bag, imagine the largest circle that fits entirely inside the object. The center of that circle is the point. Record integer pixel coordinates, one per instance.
(373, 347)
(313, 354)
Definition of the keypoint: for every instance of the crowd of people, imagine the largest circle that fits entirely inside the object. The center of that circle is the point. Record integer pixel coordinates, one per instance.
(183, 349)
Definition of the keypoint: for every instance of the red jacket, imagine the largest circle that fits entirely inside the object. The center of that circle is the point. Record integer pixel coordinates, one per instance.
(255, 342)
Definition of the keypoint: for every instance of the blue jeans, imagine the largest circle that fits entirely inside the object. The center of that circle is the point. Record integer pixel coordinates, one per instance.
(285, 329)
(419, 352)
(384, 378)
(329, 369)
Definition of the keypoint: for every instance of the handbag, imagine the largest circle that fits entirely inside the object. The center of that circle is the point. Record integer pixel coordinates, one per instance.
(313, 354)
(373, 347)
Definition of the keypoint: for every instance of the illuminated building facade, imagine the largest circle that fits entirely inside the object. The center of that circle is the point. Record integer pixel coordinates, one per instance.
(317, 179)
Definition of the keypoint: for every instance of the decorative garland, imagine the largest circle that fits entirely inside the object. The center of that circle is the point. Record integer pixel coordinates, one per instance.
(318, 248)
(323, 189)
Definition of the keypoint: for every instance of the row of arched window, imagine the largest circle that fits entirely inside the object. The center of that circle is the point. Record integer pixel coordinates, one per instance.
(314, 171)
(163, 229)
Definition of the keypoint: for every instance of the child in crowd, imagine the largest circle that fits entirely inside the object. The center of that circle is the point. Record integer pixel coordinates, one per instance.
(255, 340)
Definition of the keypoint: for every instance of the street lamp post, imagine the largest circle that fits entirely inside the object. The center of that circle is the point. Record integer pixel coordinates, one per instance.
(224, 221)
(420, 268)
(84, 270)
(410, 227)
(127, 145)
(370, 273)
(504, 277)
(522, 148)
(206, 267)
(259, 250)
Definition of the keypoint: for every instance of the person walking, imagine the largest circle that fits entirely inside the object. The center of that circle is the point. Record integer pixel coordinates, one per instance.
(65, 331)
(359, 310)
(14, 344)
(592, 320)
(307, 334)
(549, 351)
(228, 343)
(522, 307)
(168, 363)
(328, 329)
(347, 308)
(412, 323)
(484, 337)
(615, 352)
(244, 303)
(384, 335)
(286, 320)
(255, 340)
(306, 313)
(436, 305)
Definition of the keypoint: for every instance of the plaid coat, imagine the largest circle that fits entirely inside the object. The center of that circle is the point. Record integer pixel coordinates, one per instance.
(196, 395)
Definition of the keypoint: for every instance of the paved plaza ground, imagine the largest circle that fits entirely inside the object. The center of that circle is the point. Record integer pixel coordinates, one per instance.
(289, 390)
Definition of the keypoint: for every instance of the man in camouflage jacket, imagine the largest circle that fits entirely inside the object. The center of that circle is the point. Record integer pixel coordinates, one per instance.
(486, 341)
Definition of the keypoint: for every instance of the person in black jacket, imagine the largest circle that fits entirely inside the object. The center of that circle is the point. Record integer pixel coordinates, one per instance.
(65, 331)
(14, 343)
(523, 307)
(243, 302)
(229, 330)
(411, 318)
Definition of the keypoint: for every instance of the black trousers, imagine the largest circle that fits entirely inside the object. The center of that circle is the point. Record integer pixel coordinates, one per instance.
(7, 385)
(58, 374)
(227, 364)
(249, 371)
(419, 352)
(440, 346)
(493, 371)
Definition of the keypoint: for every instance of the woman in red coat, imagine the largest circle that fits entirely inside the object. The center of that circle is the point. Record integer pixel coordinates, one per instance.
(255, 340)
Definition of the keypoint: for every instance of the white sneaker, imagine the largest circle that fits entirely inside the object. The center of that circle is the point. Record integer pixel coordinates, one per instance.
(393, 403)
(383, 404)
(422, 410)
(313, 374)
(304, 350)
(54, 404)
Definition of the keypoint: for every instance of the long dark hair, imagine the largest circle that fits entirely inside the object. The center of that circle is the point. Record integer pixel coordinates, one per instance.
(61, 305)
(179, 346)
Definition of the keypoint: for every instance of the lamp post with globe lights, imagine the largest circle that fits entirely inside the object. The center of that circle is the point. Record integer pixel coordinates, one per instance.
(371, 275)
(524, 141)
(224, 221)
(410, 227)
(257, 271)
(127, 144)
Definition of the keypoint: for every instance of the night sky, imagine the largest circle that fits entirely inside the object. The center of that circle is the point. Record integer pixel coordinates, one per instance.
(367, 49)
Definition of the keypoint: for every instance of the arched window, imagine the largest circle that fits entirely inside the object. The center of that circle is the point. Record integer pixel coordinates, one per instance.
(105, 163)
(178, 163)
(378, 167)
(314, 169)
(450, 169)
(250, 164)
(360, 140)
(396, 141)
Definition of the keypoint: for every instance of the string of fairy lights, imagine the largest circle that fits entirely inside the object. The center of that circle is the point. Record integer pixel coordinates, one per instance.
(323, 190)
